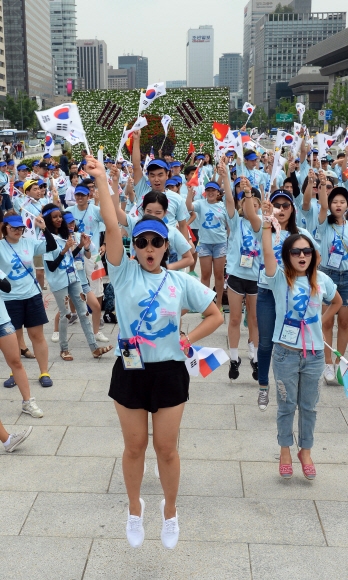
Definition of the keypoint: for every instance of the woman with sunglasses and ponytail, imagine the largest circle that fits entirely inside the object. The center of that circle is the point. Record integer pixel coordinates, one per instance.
(150, 375)
(333, 230)
(64, 281)
(284, 210)
(298, 356)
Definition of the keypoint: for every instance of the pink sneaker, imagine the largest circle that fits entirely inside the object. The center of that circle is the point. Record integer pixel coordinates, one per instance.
(308, 470)
(285, 470)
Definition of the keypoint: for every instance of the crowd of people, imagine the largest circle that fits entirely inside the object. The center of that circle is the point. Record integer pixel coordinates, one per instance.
(276, 251)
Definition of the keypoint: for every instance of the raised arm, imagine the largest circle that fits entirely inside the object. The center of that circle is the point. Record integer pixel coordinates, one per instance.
(344, 166)
(121, 215)
(307, 196)
(268, 253)
(253, 218)
(189, 198)
(136, 158)
(223, 173)
(113, 232)
(322, 198)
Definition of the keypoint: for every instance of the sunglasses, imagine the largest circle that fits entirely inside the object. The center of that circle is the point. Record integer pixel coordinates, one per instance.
(305, 251)
(19, 228)
(156, 242)
(284, 205)
(329, 187)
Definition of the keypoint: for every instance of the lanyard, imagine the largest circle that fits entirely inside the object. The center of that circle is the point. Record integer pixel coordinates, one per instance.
(71, 257)
(340, 237)
(251, 252)
(287, 301)
(36, 282)
(303, 322)
(81, 220)
(151, 302)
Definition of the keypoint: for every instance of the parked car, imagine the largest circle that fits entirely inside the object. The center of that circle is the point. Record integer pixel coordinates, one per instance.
(59, 141)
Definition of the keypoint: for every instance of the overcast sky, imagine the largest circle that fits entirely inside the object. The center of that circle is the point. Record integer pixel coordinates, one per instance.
(157, 29)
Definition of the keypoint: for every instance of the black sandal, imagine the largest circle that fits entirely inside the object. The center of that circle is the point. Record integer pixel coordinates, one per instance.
(26, 353)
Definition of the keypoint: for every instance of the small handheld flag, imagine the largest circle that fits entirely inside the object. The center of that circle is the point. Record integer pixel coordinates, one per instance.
(300, 108)
(220, 131)
(166, 120)
(99, 270)
(49, 144)
(248, 109)
(342, 371)
(62, 120)
(203, 360)
(29, 220)
(151, 94)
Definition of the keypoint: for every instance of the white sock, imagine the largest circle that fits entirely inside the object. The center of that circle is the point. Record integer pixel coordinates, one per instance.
(6, 444)
(234, 354)
(255, 355)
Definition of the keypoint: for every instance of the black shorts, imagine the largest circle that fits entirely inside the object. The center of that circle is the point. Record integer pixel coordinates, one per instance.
(162, 384)
(196, 235)
(241, 286)
(28, 312)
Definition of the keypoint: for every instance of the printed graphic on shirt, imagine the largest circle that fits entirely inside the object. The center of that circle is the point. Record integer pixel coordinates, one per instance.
(151, 317)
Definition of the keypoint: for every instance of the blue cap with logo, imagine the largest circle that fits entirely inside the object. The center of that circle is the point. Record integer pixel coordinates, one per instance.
(22, 168)
(14, 221)
(213, 185)
(81, 189)
(158, 163)
(158, 227)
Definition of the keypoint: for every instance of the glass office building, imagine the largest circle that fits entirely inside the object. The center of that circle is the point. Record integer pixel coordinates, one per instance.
(63, 39)
(92, 63)
(140, 65)
(281, 45)
(28, 48)
(200, 57)
(231, 71)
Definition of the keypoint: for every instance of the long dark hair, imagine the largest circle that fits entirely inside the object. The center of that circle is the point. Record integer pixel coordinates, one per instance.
(290, 272)
(210, 159)
(340, 191)
(155, 197)
(148, 217)
(63, 231)
(291, 225)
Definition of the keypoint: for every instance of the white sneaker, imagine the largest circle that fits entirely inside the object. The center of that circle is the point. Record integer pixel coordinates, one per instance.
(31, 408)
(170, 529)
(101, 337)
(55, 337)
(329, 374)
(156, 470)
(251, 350)
(16, 439)
(134, 529)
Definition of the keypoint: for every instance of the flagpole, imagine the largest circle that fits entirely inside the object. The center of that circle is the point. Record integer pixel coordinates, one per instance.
(87, 146)
(165, 137)
(141, 92)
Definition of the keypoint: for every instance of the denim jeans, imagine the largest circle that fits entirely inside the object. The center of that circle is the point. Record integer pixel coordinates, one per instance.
(62, 296)
(297, 383)
(266, 315)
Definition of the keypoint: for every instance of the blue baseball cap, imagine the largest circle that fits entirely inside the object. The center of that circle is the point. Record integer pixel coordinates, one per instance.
(281, 193)
(41, 182)
(10, 162)
(82, 189)
(213, 185)
(229, 153)
(18, 184)
(83, 162)
(199, 156)
(3, 163)
(175, 164)
(177, 178)
(23, 167)
(297, 159)
(158, 227)
(158, 163)
(34, 163)
(315, 151)
(51, 167)
(14, 220)
(109, 161)
(47, 156)
(68, 216)
(251, 156)
(171, 182)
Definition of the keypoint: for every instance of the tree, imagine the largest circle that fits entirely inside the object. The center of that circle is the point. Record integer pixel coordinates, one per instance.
(338, 102)
(19, 111)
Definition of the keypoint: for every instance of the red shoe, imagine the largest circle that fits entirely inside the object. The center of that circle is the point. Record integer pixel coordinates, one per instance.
(308, 470)
(285, 470)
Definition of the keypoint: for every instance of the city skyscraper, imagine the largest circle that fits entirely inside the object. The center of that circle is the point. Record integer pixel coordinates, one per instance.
(121, 78)
(3, 82)
(281, 45)
(63, 40)
(200, 56)
(140, 65)
(253, 11)
(92, 65)
(231, 71)
(28, 48)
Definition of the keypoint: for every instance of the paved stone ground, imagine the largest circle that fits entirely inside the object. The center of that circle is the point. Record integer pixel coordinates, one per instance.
(63, 505)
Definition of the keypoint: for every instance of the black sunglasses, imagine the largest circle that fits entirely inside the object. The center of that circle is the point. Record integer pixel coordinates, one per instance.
(156, 242)
(297, 251)
(284, 205)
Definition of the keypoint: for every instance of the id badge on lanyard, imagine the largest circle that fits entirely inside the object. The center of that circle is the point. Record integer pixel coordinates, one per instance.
(71, 274)
(130, 354)
(335, 259)
(129, 347)
(262, 272)
(246, 261)
(290, 331)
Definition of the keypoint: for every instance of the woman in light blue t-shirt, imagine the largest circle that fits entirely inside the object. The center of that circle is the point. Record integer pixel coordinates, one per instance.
(150, 374)
(298, 355)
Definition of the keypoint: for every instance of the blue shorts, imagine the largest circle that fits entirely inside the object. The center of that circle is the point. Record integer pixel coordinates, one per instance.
(28, 312)
(86, 288)
(123, 197)
(340, 278)
(6, 329)
(213, 250)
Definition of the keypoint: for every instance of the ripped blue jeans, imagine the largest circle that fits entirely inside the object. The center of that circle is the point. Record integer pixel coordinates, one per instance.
(297, 384)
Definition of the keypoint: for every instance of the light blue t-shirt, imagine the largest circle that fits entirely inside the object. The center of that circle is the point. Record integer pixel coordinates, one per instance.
(4, 317)
(199, 190)
(59, 278)
(304, 170)
(301, 306)
(177, 242)
(338, 170)
(20, 268)
(277, 249)
(243, 241)
(254, 175)
(176, 211)
(87, 221)
(80, 260)
(212, 221)
(334, 238)
(135, 287)
(311, 217)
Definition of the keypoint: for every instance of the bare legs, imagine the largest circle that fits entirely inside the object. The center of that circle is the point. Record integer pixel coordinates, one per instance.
(9, 348)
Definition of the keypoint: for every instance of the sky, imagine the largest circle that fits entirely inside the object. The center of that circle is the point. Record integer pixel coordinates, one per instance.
(148, 28)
